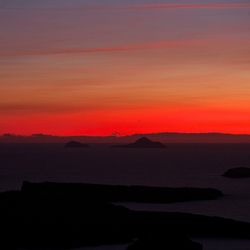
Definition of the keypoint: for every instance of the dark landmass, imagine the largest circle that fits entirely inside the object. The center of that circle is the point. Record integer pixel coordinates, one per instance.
(59, 221)
(75, 144)
(240, 172)
(118, 193)
(161, 241)
(163, 137)
(63, 221)
(143, 142)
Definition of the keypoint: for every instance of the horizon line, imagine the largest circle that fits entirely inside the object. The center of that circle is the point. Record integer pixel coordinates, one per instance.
(118, 136)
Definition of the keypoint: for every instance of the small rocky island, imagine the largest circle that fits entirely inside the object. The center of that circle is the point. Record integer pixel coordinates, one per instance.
(143, 142)
(239, 172)
(75, 144)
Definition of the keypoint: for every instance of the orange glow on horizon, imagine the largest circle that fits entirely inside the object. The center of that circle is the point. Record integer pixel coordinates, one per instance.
(132, 122)
(84, 68)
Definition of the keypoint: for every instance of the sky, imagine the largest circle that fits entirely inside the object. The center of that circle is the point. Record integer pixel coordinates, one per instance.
(102, 67)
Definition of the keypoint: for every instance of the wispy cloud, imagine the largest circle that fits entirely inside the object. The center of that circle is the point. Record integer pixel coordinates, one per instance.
(192, 6)
(118, 7)
(125, 48)
(31, 107)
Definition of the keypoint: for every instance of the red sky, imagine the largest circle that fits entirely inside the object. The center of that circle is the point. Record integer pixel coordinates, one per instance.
(99, 67)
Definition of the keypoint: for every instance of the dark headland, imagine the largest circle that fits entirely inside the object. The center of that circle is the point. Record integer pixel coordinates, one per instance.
(122, 193)
(46, 215)
(239, 172)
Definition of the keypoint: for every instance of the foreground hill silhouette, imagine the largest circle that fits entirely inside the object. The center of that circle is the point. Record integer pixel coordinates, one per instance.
(143, 142)
(33, 218)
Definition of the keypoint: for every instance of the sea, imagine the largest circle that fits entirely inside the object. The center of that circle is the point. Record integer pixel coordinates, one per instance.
(177, 165)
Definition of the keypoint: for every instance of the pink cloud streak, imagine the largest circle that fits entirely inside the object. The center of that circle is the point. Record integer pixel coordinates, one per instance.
(135, 47)
(139, 7)
(192, 6)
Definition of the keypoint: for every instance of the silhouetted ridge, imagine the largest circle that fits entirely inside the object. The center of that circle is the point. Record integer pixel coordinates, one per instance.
(143, 142)
(165, 137)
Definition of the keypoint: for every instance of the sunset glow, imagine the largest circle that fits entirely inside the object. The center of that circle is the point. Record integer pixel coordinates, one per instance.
(99, 67)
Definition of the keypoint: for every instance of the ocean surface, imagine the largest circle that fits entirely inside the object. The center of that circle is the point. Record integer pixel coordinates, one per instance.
(178, 165)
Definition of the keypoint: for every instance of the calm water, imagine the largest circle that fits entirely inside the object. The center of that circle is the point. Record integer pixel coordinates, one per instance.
(197, 165)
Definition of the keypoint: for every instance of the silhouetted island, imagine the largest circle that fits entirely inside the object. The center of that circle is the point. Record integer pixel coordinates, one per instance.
(143, 142)
(240, 172)
(119, 193)
(75, 144)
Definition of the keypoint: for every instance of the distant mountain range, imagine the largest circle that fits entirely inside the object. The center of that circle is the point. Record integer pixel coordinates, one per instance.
(162, 137)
